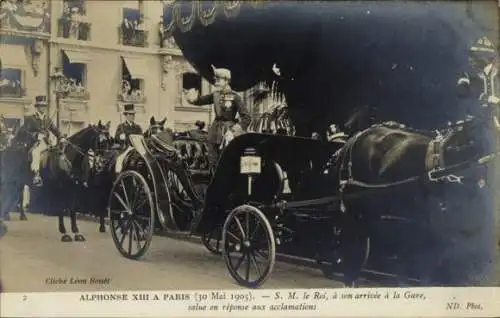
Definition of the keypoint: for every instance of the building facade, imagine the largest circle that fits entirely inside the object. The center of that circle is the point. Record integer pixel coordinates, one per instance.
(24, 41)
(111, 51)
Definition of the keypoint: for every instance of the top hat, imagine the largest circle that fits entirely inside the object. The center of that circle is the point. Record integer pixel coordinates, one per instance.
(41, 100)
(222, 73)
(128, 109)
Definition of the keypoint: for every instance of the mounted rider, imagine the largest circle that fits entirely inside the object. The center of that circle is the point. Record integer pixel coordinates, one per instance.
(39, 125)
(227, 103)
(128, 127)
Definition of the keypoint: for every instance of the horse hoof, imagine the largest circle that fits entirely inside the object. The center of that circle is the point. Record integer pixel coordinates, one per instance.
(102, 230)
(66, 238)
(23, 217)
(79, 238)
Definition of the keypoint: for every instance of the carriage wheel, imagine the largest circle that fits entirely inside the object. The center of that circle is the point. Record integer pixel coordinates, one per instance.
(131, 214)
(213, 240)
(247, 239)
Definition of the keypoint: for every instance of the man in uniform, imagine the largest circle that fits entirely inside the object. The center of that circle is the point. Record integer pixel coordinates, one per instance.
(40, 124)
(129, 127)
(226, 105)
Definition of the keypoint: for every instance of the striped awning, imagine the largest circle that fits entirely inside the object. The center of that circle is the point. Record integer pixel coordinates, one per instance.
(77, 56)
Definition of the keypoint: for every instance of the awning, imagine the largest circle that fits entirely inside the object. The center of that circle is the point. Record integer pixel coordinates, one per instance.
(77, 57)
(136, 67)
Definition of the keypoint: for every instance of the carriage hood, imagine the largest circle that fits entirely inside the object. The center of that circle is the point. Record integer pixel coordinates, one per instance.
(402, 58)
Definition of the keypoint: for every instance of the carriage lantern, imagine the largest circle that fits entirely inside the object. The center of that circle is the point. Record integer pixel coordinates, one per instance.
(250, 164)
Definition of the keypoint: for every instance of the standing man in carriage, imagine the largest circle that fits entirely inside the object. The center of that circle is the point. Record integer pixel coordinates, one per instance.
(128, 127)
(227, 103)
(39, 125)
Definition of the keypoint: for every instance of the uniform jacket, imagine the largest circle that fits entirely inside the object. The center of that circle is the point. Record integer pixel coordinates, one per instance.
(127, 128)
(36, 124)
(226, 106)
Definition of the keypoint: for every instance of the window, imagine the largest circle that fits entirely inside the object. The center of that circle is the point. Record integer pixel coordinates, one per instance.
(132, 89)
(77, 74)
(11, 83)
(191, 86)
(132, 28)
(74, 6)
(73, 22)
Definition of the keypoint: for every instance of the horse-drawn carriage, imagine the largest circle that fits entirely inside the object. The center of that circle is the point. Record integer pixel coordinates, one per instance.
(267, 188)
(271, 190)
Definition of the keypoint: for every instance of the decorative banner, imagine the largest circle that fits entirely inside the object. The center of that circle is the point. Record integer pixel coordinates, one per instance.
(24, 17)
(232, 8)
(207, 11)
(186, 22)
(177, 14)
(359, 302)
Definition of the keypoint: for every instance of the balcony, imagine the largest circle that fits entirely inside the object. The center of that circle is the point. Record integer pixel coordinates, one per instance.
(133, 35)
(74, 28)
(12, 92)
(136, 97)
(25, 17)
(79, 94)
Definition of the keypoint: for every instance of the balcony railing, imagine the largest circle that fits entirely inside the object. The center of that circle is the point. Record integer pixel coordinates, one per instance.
(74, 29)
(132, 36)
(134, 98)
(12, 92)
(79, 94)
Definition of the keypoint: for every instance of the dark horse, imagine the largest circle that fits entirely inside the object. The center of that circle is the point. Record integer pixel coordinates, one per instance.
(103, 173)
(404, 161)
(67, 172)
(155, 127)
(15, 172)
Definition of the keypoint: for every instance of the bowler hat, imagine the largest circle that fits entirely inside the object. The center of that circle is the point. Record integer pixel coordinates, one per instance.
(129, 109)
(41, 100)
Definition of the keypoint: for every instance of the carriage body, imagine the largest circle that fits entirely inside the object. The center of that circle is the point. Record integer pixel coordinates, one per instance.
(210, 210)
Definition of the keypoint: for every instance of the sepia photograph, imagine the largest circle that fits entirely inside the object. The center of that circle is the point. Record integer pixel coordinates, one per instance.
(310, 151)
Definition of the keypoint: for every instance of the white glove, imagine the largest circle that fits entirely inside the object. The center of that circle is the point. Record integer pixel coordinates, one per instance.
(122, 136)
(494, 100)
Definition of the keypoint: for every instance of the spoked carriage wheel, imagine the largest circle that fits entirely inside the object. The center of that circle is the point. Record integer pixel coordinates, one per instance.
(131, 214)
(249, 246)
(213, 241)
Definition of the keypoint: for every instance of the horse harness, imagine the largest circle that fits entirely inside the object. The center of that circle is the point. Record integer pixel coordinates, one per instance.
(437, 172)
